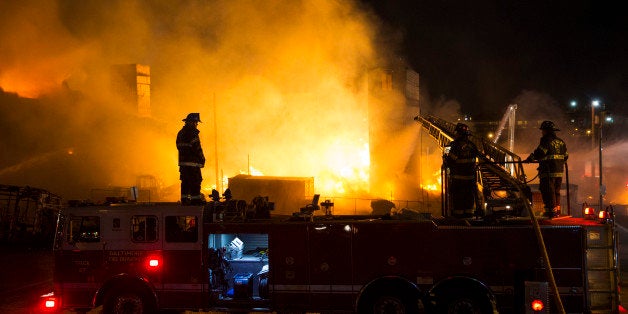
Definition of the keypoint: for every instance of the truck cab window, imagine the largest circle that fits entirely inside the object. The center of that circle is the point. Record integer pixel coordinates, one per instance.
(84, 229)
(144, 228)
(181, 229)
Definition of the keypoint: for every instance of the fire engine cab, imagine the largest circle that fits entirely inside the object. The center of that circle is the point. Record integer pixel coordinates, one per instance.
(141, 258)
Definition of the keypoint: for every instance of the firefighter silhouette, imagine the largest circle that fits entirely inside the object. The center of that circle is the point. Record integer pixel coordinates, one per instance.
(551, 155)
(461, 162)
(191, 160)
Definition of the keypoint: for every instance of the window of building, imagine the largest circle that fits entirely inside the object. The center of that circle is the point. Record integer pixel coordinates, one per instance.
(387, 81)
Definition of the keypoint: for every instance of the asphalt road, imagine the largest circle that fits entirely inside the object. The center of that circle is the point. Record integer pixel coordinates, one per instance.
(25, 274)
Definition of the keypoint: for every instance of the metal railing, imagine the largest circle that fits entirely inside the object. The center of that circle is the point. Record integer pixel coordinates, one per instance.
(443, 131)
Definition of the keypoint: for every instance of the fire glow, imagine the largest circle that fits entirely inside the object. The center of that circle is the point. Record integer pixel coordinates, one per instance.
(282, 87)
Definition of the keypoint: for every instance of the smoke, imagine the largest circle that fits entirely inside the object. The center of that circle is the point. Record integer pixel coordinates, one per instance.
(283, 80)
(37, 52)
(583, 163)
(448, 109)
(615, 176)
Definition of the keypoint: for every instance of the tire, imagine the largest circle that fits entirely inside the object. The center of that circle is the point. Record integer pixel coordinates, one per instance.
(466, 304)
(389, 302)
(127, 302)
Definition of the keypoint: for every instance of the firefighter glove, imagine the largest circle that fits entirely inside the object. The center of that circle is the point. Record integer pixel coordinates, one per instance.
(530, 158)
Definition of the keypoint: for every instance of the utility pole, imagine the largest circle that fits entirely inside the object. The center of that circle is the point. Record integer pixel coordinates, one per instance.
(596, 103)
(601, 186)
(218, 178)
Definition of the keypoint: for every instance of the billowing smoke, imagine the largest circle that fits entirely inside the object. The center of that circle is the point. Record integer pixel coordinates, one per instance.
(583, 163)
(284, 82)
(616, 175)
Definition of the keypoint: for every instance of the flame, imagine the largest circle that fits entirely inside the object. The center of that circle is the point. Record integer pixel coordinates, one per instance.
(432, 183)
(295, 100)
(347, 171)
(252, 171)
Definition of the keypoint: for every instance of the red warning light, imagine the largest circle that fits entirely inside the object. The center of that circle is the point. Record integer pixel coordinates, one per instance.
(49, 303)
(537, 305)
(589, 213)
(153, 262)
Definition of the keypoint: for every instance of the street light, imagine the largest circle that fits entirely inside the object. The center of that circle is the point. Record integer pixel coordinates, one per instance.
(604, 117)
(594, 103)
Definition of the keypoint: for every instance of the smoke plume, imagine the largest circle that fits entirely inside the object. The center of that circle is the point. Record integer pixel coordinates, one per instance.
(280, 87)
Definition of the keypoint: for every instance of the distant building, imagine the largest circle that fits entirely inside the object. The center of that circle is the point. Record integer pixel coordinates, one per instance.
(132, 82)
(393, 102)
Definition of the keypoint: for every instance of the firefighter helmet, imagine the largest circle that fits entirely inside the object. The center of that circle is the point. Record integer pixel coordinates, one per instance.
(463, 129)
(193, 117)
(548, 125)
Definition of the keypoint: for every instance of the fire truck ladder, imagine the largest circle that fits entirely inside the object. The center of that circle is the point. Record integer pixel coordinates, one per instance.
(501, 178)
(497, 178)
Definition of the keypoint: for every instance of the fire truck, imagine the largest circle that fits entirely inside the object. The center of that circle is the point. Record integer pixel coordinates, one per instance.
(231, 256)
(140, 258)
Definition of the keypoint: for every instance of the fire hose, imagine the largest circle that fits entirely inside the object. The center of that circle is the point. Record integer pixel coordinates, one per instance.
(548, 267)
(546, 262)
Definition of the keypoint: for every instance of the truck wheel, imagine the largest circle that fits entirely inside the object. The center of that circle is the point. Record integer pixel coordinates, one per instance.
(127, 302)
(389, 302)
(466, 304)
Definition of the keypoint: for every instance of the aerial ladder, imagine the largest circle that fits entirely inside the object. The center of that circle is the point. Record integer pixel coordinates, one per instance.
(501, 182)
(501, 178)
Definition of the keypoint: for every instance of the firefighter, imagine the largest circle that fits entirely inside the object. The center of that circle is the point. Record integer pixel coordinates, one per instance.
(551, 155)
(191, 160)
(461, 161)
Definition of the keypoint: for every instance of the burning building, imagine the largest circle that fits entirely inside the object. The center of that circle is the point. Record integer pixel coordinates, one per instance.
(393, 135)
(292, 90)
(132, 83)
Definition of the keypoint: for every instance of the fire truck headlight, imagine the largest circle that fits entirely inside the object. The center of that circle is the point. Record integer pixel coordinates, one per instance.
(348, 228)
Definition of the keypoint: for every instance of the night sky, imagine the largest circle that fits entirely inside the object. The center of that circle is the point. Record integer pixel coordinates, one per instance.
(485, 53)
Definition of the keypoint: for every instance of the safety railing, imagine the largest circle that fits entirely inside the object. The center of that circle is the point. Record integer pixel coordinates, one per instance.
(443, 132)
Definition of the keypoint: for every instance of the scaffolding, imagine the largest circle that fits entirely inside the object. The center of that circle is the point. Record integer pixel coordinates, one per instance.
(27, 213)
